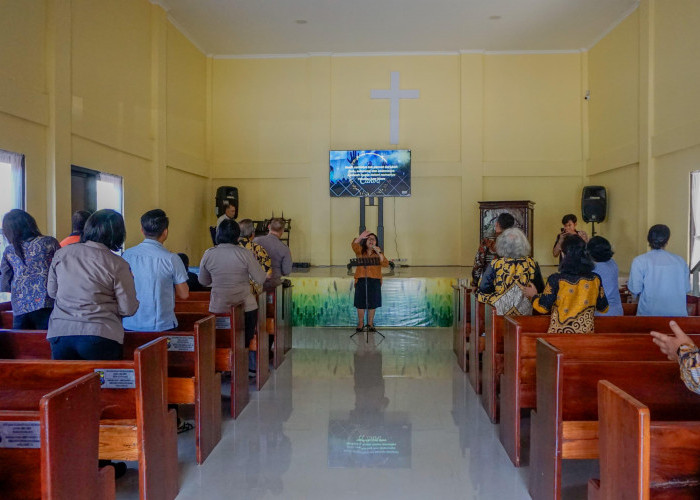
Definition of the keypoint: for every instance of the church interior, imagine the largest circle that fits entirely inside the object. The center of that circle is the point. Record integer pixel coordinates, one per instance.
(164, 101)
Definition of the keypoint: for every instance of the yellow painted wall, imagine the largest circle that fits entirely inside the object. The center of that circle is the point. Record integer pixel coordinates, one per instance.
(477, 116)
(614, 109)
(109, 86)
(23, 95)
(620, 226)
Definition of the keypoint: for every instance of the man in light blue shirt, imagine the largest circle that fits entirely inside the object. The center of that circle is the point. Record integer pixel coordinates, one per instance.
(159, 275)
(659, 278)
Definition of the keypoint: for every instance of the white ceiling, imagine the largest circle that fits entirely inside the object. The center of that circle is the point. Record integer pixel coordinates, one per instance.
(270, 27)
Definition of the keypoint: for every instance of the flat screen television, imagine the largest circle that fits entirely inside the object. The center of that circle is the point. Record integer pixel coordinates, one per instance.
(370, 172)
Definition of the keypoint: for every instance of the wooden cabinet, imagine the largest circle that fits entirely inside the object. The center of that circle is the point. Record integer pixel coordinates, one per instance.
(522, 211)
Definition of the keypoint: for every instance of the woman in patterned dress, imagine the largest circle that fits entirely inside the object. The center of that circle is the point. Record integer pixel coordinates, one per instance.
(25, 270)
(500, 284)
(573, 294)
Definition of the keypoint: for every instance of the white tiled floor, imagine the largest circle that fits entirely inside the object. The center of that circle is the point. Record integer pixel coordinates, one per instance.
(414, 426)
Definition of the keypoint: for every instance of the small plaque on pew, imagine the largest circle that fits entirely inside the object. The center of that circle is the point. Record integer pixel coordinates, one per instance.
(111, 378)
(181, 344)
(223, 323)
(20, 435)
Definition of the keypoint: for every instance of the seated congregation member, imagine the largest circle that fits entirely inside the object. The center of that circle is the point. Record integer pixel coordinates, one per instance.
(572, 294)
(487, 249)
(679, 347)
(659, 278)
(192, 280)
(94, 289)
(78, 221)
(605, 266)
(246, 241)
(513, 267)
(227, 268)
(368, 279)
(25, 270)
(159, 276)
(279, 253)
(569, 227)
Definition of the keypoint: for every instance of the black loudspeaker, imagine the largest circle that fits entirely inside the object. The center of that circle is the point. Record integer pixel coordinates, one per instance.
(594, 204)
(226, 195)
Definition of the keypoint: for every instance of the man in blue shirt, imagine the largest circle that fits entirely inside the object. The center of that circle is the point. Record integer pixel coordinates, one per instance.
(159, 275)
(659, 278)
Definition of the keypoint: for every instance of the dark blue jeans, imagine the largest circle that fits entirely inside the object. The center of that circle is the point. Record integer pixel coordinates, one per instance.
(35, 320)
(85, 347)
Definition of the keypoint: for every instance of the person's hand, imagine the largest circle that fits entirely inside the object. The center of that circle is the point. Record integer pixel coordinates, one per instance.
(669, 344)
(364, 234)
(529, 291)
(377, 249)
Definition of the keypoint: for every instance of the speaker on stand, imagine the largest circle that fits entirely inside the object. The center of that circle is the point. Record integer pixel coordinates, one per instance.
(594, 205)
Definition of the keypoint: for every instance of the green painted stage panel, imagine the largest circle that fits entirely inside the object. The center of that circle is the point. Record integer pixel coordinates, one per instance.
(406, 302)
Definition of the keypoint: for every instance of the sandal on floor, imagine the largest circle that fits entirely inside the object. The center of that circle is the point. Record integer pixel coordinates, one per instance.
(372, 329)
(359, 330)
(183, 426)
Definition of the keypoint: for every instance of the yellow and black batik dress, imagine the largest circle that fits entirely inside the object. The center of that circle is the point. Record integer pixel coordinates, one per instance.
(572, 301)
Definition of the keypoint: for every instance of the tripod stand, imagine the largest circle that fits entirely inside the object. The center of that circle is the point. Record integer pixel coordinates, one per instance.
(365, 262)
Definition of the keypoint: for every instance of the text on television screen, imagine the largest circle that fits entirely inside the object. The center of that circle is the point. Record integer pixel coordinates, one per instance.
(370, 172)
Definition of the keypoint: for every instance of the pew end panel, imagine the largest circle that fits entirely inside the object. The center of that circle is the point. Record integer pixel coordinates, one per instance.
(262, 354)
(275, 324)
(157, 434)
(70, 420)
(645, 458)
(476, 342)
(65, 465)
(492, 362)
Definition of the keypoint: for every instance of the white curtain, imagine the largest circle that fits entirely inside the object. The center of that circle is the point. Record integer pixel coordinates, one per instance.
(109, 192)
(695, 219)
(14, 195)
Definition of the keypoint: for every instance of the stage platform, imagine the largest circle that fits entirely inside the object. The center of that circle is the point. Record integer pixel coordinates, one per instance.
(411, 296)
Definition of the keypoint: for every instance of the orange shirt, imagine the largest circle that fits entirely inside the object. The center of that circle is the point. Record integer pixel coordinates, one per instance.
(368, 271)
(69, 240)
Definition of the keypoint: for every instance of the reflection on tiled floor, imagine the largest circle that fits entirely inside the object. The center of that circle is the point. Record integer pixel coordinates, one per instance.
(347, 419)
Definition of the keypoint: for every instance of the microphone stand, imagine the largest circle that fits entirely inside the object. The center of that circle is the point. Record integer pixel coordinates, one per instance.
(365, 262)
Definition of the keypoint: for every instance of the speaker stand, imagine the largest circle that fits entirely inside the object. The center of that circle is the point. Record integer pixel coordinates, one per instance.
(592, 229)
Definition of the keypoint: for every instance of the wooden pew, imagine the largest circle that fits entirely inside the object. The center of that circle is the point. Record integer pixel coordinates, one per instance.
(135, 423)
(230, 353)
(645, 458)
(476, 342)
(286, 321)
(6, 315)
(192, 378)
(275, 324)
(517, 386)
(565, 424)
(462, 326)
(61, 464)
(492, 358)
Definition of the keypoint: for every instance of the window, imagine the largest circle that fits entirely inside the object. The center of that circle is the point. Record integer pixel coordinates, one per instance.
(92, 190)
(11, 186)
(695, 229)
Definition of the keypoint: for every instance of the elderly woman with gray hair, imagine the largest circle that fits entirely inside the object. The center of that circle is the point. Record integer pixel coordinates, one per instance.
(500, 283)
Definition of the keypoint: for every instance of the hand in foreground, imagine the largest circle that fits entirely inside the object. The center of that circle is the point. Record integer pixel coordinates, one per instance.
(364, 234)
(669, 344)
(529, 291)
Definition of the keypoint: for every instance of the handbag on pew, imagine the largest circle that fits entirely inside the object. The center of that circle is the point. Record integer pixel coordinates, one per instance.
(513, 303)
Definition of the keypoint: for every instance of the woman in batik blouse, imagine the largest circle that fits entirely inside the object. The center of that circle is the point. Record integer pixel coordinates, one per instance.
(500, 284)
(25, 270)
(679, 347)
(573, 294)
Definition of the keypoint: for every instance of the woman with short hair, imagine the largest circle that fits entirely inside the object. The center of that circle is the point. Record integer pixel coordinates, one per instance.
(227, 267)
(605, 266)
(94, 289)
(25, 270)
(573, 294)
(501, 283)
